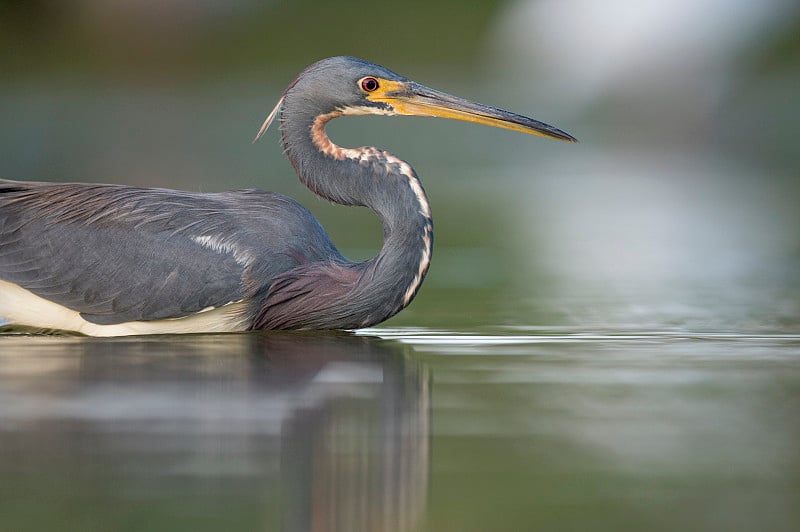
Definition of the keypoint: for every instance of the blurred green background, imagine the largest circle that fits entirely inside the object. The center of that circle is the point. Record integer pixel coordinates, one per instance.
(677, 212)
(678, 207)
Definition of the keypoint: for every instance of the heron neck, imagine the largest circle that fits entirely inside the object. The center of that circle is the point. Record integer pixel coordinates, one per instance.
(388, 186)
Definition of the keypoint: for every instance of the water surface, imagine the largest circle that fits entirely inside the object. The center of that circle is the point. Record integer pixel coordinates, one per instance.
(402, 429)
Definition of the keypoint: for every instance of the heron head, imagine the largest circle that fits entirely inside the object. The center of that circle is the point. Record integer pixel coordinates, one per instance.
(349, 85)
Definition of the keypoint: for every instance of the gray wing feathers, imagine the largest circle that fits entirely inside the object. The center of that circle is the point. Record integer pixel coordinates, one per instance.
(115, 254)
(119, 254)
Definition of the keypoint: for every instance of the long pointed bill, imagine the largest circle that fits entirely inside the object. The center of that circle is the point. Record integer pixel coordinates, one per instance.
(410, 98)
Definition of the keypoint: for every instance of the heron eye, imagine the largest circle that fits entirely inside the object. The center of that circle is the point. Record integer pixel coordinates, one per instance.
(369, 84)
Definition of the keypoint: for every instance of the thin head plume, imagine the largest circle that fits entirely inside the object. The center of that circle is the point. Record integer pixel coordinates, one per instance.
(268, 121)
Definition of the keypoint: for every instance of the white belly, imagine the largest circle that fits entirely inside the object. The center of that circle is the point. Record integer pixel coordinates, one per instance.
(20, 307)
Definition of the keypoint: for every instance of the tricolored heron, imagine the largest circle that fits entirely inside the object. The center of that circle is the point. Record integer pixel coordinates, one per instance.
(111, 260)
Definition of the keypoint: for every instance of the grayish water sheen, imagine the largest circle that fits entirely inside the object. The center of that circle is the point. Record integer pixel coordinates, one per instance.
(402, 429)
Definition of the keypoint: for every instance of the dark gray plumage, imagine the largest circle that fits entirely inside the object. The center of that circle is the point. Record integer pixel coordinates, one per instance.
(118, 254)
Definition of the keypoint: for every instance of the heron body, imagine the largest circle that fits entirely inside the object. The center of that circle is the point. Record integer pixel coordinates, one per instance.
(109, 260)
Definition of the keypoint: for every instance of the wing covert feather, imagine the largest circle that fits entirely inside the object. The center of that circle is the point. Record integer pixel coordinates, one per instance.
(118, 254)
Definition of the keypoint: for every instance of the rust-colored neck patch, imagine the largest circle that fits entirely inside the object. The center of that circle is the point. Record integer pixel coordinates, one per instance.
(324, 144)
(321, 140)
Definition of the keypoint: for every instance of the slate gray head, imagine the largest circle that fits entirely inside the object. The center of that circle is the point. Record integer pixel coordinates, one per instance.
(348, 85)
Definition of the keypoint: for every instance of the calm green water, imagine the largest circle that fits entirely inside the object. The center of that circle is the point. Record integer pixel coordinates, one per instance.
(402, 429)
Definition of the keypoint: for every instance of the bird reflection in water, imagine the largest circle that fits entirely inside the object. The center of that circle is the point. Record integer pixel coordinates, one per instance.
(302, 431)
